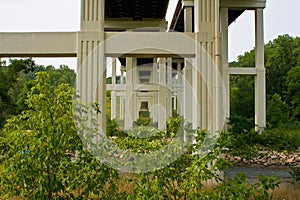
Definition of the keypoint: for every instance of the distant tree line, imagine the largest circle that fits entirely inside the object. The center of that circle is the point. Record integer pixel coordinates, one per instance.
(16, 80)
(282, 63)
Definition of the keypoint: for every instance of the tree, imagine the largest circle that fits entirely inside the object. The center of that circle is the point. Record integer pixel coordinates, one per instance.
(293, 83)
(36, 146)
(279, 59)
(281, 55)
(18, 77)
(277, 111)
(242, 96)
(8, 79)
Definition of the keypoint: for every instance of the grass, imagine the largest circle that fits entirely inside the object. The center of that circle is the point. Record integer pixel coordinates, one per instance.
(291, 192)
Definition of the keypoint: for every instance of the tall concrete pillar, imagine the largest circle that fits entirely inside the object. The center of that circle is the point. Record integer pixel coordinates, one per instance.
(180, 97)
(135, 81)
(128, 94)
(122, 100)
(203, 79)
(260, 84)
(226, 76)
(162, 94)
(187, 71)
(155, 80)
(113, 93)
(91, 82)
(169, 87)
(92, 15)
(219, 112)
(122, 78)
(122, 107)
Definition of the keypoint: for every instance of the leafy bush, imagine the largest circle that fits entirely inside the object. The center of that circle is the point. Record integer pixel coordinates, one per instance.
(43, 156)
(280, 140)
(239, 124)
(113, 129)
(295, 172)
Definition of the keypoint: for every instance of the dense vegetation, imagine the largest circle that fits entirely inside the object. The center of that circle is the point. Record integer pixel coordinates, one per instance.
(18, 77)
(43, 157)
(282, 63)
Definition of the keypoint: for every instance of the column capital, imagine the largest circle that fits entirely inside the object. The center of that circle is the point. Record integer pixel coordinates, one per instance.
(187, 3)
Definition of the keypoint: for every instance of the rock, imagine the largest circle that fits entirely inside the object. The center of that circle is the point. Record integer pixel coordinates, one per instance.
(290, 160)
(274, 157)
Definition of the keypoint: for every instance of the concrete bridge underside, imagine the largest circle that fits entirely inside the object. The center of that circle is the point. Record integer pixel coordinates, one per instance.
(130, 30)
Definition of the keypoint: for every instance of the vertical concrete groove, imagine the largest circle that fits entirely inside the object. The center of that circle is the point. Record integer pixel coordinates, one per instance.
(83, 10)
(97, 10)
(88, 10)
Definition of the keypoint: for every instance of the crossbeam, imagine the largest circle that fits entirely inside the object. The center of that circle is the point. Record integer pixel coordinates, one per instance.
(160, 44)
(36, 44)
(243, 4)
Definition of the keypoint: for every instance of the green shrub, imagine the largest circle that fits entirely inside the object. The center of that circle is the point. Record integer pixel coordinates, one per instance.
(113, 129)
(295, 172)
(280, 140)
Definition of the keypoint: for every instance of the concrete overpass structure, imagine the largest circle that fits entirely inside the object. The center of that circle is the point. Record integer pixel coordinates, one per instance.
(183, 68)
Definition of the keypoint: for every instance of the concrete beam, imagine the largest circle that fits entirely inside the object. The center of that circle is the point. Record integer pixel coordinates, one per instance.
(151, 44)
(242, 71)
(243, 4)
(115, 87)
(48, 44)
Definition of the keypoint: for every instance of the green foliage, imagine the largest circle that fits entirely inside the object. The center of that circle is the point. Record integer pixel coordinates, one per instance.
(16, 80)
(295, 172)
(293, 82)
(39, 150)
(279, 59)
(282, 77)
(238, 188)
(280, 139)
(247, 144)
(113, 129)
(239, 125)
(274, 107)
(242, 96)
(8, 80)
(39, 163)
(186, 177)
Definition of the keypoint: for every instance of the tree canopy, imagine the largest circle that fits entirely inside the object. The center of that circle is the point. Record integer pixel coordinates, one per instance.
(282, 61)
(18, 77)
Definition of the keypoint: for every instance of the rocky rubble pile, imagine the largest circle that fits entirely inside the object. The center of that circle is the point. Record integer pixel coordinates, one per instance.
(269, 158)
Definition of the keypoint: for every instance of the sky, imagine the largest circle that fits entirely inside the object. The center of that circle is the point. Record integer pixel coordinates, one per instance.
(281, 17)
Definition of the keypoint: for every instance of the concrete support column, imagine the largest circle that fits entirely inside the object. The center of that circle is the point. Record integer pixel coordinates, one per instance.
(92, 15)
(135, 102)
(187, 72)
(162, 94)
(179, 73)
(204, 75)
(260, 84)
(179, 91)
(187, 91)
(154, 71)
(224, 45)
(122, 78)
(169, 87)
(174, 98)
(218, 99)
(128, 94)
(155, 80)
(122, 107)
(91, 68)
(113, 93)
(155, 107)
